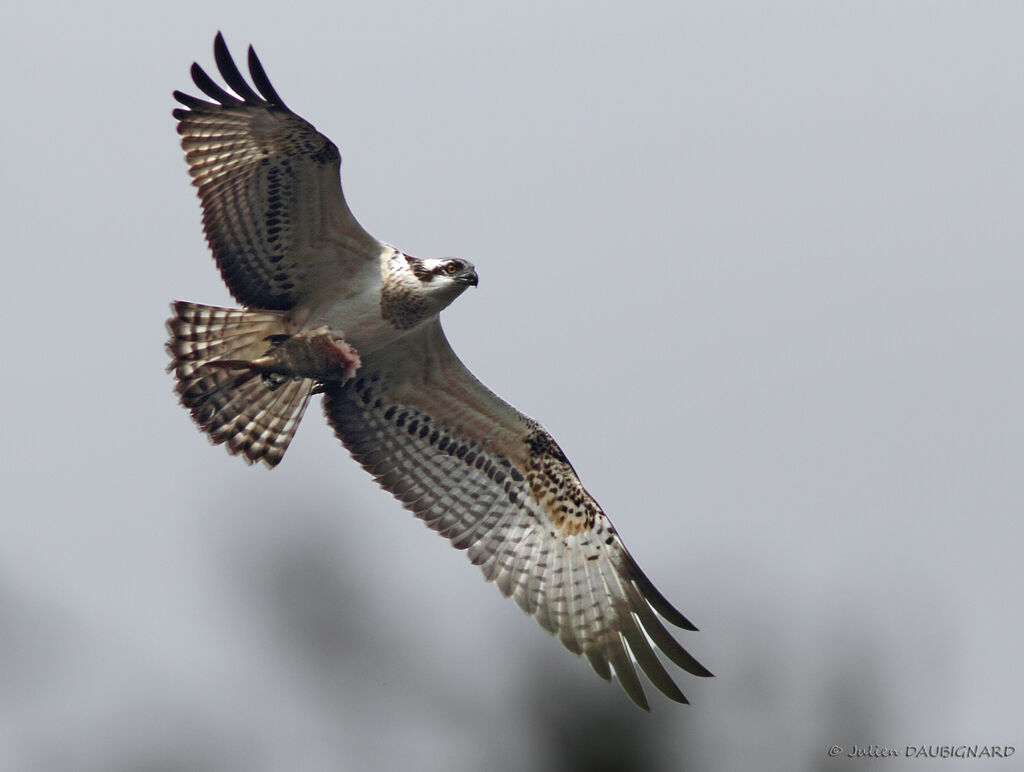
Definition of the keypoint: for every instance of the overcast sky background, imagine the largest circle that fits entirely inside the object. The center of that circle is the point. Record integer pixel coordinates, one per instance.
(759, 271)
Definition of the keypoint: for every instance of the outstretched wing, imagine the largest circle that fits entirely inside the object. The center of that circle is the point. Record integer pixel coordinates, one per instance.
(494, 483)
(273, 210)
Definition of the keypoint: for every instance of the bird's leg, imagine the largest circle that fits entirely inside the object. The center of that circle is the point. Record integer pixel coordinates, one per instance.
(319, 354)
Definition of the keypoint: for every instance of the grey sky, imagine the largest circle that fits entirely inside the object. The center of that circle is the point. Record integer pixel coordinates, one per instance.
(757, 270)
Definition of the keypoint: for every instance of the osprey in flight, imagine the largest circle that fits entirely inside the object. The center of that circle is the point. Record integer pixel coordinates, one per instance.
(329, 309)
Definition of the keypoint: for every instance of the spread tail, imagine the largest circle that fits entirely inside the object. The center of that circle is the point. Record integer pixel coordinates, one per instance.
(253, 412)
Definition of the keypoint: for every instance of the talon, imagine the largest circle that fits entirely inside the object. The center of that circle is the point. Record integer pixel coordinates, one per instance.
(274, 381)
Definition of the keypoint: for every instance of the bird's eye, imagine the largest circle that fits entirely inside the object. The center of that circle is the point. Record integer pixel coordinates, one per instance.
(451, 269)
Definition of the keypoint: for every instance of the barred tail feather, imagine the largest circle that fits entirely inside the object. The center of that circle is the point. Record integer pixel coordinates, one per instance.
(254, 415)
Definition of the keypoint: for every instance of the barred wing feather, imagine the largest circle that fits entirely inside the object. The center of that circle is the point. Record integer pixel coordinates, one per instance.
(496, 485)
(273, 209)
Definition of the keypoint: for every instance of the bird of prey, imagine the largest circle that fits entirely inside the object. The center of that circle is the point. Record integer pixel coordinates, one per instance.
(327, 308)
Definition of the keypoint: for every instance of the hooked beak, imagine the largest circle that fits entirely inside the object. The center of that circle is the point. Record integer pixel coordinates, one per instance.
(470, 279)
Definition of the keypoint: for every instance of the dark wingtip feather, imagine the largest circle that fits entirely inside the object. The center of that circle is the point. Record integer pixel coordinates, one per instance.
(669, 646)
(229, 71)
(207, 85)
(191, 102)
(599, 663)
(259, 77)
(658, 601)
(628, 679)
(649, 663)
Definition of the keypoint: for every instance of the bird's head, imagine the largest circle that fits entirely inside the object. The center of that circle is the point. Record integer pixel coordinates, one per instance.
(443, 279)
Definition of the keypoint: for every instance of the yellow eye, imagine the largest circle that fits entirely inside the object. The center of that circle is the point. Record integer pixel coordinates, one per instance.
(450, 269)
